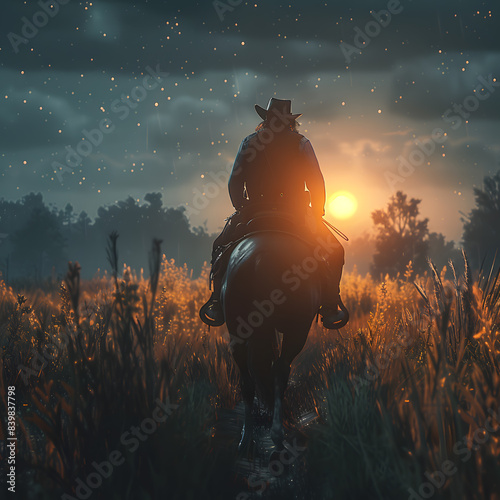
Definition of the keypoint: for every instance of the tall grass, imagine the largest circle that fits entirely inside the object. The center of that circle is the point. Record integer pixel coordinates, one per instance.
(389, 421)
(415, 372)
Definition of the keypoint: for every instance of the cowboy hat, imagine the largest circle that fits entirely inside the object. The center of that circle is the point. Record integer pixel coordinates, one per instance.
(278, 106)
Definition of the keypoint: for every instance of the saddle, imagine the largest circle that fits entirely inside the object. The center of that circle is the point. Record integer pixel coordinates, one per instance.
(274, 221)
(263, 220)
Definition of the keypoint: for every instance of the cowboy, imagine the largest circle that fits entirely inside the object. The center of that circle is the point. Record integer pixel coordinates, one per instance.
(271, 170)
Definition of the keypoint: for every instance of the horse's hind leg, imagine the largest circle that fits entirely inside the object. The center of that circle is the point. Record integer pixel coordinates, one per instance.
(291, 346)
(247, 386)
(281, 373)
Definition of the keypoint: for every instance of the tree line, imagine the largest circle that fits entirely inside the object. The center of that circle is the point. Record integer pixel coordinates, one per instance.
(36, 241)
(402, 236)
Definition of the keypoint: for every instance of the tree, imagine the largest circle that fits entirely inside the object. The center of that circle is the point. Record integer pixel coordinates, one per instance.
(481, 235)
(36, 239)
(67, 216)
(154, 200)
(137, 224)
(401, 237)
(38, 246)
(441, 251)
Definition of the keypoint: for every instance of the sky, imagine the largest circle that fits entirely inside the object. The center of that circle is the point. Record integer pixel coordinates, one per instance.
(102, 100)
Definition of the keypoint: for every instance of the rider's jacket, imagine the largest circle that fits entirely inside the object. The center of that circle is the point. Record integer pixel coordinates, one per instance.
(275, 168)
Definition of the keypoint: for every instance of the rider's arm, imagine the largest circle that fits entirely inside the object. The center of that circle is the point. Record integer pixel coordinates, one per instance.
(314, 178)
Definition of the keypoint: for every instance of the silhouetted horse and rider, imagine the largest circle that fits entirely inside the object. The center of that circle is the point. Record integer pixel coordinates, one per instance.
(275, 265)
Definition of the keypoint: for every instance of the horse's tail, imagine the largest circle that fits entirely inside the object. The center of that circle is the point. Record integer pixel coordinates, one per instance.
(262, 353)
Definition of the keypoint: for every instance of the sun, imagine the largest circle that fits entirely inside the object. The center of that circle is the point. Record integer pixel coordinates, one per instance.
(342, 205)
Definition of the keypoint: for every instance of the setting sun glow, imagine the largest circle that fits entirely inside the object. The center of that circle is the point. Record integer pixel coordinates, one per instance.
(342, 205)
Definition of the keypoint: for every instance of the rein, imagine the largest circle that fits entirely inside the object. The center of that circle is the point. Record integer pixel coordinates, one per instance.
(338, 231)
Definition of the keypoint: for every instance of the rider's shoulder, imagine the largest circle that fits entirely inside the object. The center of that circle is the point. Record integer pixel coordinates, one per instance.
(303, 141)
(246, 141)
(248, 138)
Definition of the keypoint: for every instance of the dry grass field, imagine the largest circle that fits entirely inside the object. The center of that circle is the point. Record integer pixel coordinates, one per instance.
(122, 393)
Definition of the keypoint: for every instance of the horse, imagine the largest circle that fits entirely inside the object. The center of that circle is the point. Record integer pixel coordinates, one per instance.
(273, 283)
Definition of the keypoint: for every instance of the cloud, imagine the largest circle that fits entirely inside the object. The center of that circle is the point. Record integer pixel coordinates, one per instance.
(429, 86)
(218, 71)
(30, 118)
(286, 43)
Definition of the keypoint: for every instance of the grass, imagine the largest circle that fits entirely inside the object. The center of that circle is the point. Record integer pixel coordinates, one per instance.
(411, 383)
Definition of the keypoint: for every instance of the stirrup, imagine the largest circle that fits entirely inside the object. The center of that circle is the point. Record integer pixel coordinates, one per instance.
(211, 313)
(334, 318)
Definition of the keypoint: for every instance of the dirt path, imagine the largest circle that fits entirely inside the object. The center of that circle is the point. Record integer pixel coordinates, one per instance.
(257, 477)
